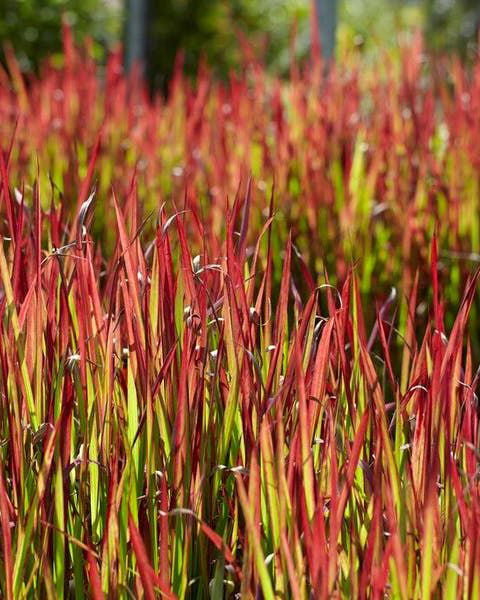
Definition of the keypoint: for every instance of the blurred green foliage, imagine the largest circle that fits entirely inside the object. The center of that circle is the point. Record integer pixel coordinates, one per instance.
(453, 24)
(210, 28)
(363, 25)
(449, 25)
(33, 27)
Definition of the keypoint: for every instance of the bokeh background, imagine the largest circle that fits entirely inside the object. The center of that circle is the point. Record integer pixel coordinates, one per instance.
(213, 29)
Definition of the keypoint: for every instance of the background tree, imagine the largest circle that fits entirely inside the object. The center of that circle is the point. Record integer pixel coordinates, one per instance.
(453, 24)
(33, 27)
(210, 28)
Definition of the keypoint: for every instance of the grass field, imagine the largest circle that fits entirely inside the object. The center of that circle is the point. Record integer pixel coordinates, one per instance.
(239, 332)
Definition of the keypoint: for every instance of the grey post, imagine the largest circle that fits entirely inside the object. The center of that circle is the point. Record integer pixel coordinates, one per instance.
(327, 26)
(136, 34)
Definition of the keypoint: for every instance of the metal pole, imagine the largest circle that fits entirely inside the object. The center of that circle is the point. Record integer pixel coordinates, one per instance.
(136, 34)
(327, 26)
